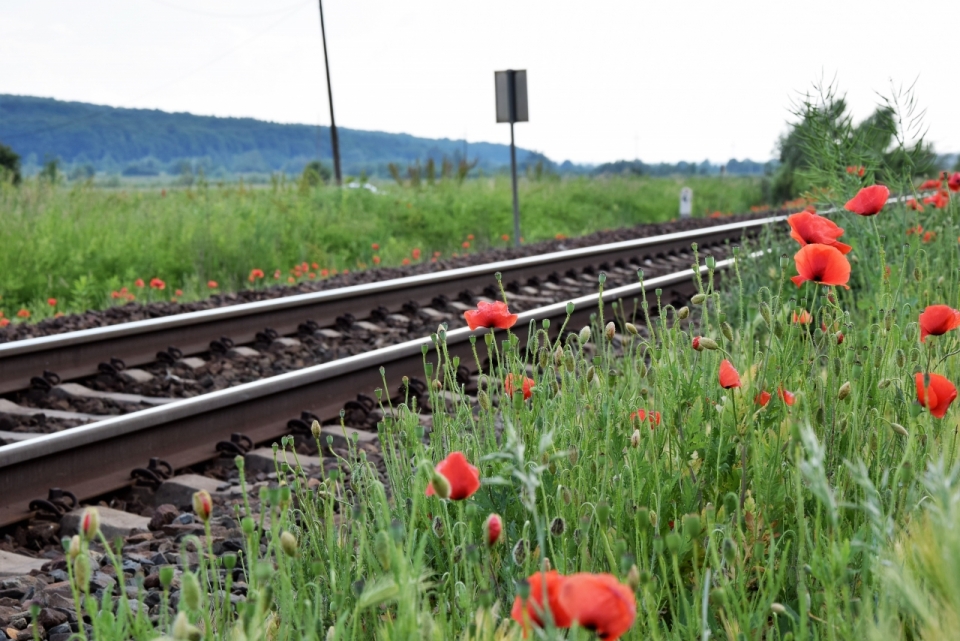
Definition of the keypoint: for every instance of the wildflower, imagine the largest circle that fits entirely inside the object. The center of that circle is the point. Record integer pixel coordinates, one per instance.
(466, 244)
(90, 523)
(915, 230)
(156, 283)
(869, 200)
(821, 264)
(936, 320)
(314, 266)
(405, 261)
(276, 275)
(490, 315)
(953, 183)
(52, 302)
(415, 253)
(311, 275)
(808, 229)
(23, 313)
(856, 170)
(178, 292)
(375, 247)
(376, 260)
(933, 183)
(255, 274)
(4, 322)
(138, 283)
(212, 284)
(642, 415)
(787, 397)
(803, 318)
(324, 273)
(510, 387)
(939, 200)
(937, 394)
(291, 279)
(492, 529)
(762, 398)
(505, 238)
(929, 236)
(464, 479)
(729, 377)
(202, 505)
(531, 609)
(914, 205)
(598, 602)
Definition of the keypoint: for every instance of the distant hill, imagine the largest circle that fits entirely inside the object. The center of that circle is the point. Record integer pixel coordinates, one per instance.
(147, 141)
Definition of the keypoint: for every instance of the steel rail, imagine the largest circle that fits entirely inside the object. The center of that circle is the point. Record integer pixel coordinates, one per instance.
(77, 354)
(98, 458)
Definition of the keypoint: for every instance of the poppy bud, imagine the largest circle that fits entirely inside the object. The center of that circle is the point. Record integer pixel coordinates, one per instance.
(603, 512)
(729, 550)
(683, 312)
(381, 548)
(901, 358)
(81, 571)
(765, 313)
(573, 455)
(437, 385)
(202, 505)
(483, 399)
(584, 335)
(544, 357)
(492, 529)
(519, 552)
(558, 526)
(691, 526)
(726, 330)
(844, 391)
(711, 262)
(568, 362)
(633, 577)
(166, 576)
(73, 549)
(888, 320)
(315, 428)
(697, 343)
(653, 518)
(708, 343)
(635, 438)
(183, 630)
(698, 299)
(718, 597)
(190, 590)
(441, 485)
(778, 608)
(247, 525)
(558, 356)
(90, 523)
(438, 527)
(610, 330)
(839, 337)
(288, 543)
(229, 560)
(673, 542)
(566, 496)
(631, 329)
(883, 384)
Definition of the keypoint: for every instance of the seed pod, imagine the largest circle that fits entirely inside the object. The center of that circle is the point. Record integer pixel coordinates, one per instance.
(632, 329)
(438, 527)
(673, 542)
(698, 299)
(519, 552)
(844, 391)
(609, 331)
(166, 576)
(691, 526)
(901, 358)
(584, 335)
(635, 438)
(288, 542)
(190, 591)
(726, 330)
(558, 526)
(683, 312)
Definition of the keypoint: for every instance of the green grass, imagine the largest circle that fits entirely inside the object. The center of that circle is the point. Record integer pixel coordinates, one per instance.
(835, 518)
(77, 245)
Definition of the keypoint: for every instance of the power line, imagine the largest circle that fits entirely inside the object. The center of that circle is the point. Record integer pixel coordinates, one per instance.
(224, 15)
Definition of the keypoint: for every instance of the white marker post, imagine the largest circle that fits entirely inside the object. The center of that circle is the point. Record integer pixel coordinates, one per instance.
(686, 202)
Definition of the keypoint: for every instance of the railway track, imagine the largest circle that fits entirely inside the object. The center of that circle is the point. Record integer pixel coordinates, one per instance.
(91, 459)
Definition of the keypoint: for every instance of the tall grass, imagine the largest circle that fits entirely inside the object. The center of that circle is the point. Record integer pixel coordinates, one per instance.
(79, 244)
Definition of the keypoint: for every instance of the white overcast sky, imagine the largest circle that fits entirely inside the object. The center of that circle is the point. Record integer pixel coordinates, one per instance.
(608, 79)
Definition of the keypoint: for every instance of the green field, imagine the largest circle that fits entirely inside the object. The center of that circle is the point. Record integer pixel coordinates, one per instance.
(78, 244)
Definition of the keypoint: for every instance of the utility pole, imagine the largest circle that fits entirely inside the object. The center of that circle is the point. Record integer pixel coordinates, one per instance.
(334, 141)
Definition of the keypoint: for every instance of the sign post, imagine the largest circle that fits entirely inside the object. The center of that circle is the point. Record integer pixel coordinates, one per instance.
(511, 89)
(686, 202)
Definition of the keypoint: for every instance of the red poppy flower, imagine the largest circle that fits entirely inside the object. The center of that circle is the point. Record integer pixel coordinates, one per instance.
(644, 415)
(52, 302)
(939, 200)
(291, 279)
(954, 182)
(4, 322)
(376, 260)
(821, 264)
(156, 283)
(492, 529)
(802, 318)
(914, 205)
(729, 377)
(787, 397)
(938, 394)
(929, 184)
(469, 236)
(311, 275)
(375, 246)
(465, 244)
(600, 603)
(314, 266)
(405, 261)
(255, 274)
(179, 292)
(915, 230)
(936, 320)
(324, 273)
(531, 610)
(212, 284)
(276, 275)
(762, 398)
(810, 229)
(138, 282)
(415, 253)
(929, 236)
(510, 387)
(23, 313)
(464, 478)
(505, 237)
(493, 314)
(869, 200)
